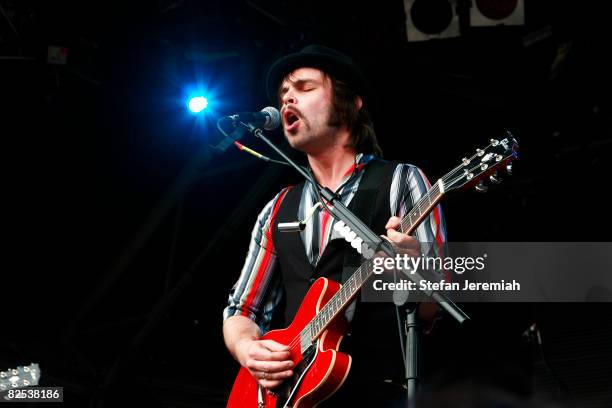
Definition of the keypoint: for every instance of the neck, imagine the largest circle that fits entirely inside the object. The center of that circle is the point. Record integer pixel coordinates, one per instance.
(329, 166)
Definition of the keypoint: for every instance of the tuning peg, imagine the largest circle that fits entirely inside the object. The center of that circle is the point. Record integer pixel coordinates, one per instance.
(481, 187)
(509, 169)
(494, 178)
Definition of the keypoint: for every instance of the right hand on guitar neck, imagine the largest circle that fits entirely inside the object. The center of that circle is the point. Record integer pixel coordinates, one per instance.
(267, 360)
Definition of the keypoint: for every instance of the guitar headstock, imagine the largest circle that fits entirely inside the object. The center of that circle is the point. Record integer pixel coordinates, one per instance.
(22, 376)
(483, 165)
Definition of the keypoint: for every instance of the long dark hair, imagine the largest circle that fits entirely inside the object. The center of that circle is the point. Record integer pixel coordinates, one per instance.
(358, 120)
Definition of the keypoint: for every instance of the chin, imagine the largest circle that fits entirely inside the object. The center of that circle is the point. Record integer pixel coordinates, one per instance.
(295, 141)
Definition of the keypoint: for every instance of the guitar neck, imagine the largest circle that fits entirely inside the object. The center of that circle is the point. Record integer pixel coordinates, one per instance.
(353, 285)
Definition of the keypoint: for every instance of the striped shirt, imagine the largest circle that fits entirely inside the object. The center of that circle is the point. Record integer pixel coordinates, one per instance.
(259, 289)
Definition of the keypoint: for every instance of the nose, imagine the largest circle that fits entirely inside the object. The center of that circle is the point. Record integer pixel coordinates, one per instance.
(289, 97)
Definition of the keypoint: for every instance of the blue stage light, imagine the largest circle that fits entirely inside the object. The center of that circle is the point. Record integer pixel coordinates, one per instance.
(197, 104)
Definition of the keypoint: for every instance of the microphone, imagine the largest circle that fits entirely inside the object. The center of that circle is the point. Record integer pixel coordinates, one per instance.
(269, 118)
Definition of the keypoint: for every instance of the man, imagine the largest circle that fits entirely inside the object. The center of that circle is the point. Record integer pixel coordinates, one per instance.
(322, 95)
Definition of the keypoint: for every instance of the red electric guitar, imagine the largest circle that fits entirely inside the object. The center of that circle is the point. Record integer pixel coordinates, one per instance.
(315, 333)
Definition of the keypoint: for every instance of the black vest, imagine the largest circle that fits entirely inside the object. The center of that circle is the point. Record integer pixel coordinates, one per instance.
(374, 337)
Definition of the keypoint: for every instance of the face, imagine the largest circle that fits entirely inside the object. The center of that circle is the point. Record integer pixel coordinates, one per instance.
(306, 106)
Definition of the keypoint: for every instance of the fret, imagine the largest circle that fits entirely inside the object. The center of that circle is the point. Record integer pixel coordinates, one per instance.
(421, 208)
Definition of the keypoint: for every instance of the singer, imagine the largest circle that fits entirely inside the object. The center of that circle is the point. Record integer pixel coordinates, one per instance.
(323, 100)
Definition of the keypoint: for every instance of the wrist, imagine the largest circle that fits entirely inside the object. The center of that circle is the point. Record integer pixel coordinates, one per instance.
(241, 349)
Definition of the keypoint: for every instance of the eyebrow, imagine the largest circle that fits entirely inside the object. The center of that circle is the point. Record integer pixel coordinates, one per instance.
(297, 83)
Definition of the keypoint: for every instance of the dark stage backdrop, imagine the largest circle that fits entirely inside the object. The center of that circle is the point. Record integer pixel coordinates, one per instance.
(123, 232)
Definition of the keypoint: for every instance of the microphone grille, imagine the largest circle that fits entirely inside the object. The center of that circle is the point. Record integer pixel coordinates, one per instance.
(274, 120)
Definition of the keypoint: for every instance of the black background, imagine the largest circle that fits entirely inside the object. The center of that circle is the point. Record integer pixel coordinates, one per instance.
(114, 279)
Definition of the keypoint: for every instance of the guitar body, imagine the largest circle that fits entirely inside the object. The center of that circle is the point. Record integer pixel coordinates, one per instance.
(317, 374)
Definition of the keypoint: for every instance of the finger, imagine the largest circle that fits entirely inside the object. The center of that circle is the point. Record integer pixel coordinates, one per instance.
(396, 236)
(269, 366)
(280, 376)
(403, 240)
(261, 353)
(269, 384)
(273, 345)
(393, 223)
(404, 244)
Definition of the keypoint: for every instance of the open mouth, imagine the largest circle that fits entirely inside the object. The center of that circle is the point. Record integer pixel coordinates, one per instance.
(291, 120)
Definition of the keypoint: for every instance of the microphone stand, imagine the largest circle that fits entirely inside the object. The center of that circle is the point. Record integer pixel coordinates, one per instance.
(339, 211)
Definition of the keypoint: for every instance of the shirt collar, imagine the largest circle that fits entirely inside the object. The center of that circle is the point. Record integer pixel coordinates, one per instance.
(355, 170)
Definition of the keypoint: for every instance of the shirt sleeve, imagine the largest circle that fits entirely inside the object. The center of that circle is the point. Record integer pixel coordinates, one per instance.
(409, 184)
(258, 290)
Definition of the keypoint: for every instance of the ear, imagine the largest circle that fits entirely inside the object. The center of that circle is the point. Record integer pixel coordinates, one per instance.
(358, 102)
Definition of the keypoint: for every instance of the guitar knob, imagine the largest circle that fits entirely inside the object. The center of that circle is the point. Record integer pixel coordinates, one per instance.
(509, 169)
(481, 187)
(494, 178)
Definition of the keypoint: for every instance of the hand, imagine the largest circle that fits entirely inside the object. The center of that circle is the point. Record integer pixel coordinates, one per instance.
(404, 244)
(267, 360)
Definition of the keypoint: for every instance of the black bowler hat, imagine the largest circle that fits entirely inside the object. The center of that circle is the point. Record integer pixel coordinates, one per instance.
(328, 60)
